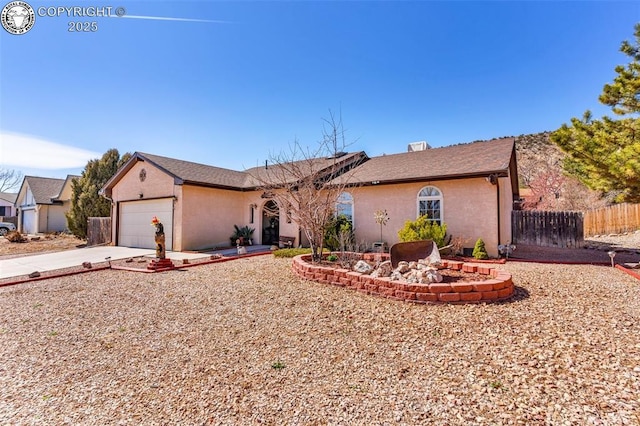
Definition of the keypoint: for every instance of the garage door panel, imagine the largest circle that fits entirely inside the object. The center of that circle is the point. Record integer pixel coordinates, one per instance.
(135, 229)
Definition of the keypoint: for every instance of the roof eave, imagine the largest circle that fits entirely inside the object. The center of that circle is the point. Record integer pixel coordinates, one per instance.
(106, 190)
(209, 185)
(483, 174)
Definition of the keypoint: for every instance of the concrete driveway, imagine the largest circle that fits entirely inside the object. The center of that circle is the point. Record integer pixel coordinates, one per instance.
(27, 264)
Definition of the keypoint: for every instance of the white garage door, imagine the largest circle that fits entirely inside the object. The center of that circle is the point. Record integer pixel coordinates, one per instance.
(134, 223)
(29, 222)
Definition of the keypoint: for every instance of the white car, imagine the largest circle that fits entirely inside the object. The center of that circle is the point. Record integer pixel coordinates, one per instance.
(5, 227)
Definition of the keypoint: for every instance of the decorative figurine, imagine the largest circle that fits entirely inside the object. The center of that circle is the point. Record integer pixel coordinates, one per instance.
(160, 248)
(160, 263)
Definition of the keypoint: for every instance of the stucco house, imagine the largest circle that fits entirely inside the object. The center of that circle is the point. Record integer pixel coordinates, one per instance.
(7, 204)
(471, 187)
(42, 203)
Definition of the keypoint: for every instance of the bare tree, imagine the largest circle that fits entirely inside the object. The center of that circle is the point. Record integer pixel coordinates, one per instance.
(10, 179)
(306, 183)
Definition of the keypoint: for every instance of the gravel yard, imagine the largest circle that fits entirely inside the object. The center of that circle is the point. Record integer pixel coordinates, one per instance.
(246, 342)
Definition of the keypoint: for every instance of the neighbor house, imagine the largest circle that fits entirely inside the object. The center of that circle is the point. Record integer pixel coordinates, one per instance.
(470, 187)
(7, 204)
(42, 204)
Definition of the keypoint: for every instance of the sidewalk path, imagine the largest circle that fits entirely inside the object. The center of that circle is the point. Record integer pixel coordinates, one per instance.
(27, 264)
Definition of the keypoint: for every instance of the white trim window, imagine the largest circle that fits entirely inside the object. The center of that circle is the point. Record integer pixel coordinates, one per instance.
(430, 203)
(344, 205)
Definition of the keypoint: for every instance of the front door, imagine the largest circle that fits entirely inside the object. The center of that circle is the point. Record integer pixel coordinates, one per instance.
(270, 223)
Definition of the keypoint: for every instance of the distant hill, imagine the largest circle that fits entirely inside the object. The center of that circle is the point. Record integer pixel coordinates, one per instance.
(540, 172)
(536, 153)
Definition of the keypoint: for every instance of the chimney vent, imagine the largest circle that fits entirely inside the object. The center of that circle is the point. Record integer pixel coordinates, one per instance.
(418, 146)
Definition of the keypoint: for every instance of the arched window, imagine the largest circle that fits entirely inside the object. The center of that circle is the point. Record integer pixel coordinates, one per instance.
(344, 206)
(430, 203)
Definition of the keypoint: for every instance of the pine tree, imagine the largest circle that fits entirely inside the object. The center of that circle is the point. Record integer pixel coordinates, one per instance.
(85, 200)
(624, 94)
(605, 154)
(479, 250)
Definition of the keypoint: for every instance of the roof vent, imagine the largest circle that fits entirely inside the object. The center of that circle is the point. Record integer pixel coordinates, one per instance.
(418, 146)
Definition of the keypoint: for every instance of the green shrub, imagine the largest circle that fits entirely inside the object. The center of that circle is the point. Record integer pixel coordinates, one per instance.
(292, 252)
(424, 228)
(338, 233)
(479, 251)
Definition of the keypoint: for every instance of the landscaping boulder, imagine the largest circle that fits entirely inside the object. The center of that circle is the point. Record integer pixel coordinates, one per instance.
(362, 267)
(383, 270)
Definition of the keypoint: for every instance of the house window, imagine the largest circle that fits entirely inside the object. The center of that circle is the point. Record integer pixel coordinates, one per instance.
(344, 206)
(430, 203)
(4, 210)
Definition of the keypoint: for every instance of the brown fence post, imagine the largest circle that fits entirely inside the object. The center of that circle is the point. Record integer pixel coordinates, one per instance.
(98, 231)
(546, 228)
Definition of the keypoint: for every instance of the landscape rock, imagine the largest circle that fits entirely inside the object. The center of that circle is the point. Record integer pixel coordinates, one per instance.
(433, 276)
(383, 270)
(200, 345)
(403, 267)
(362, 267)
(412, 272)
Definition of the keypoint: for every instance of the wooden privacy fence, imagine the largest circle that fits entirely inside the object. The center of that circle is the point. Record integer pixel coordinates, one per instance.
(551, 229)
(612, 220)
(98, 231)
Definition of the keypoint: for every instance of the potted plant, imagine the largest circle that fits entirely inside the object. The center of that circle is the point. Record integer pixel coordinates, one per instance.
(242, 236)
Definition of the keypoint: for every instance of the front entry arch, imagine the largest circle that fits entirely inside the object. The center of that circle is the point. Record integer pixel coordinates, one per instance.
(270, 223)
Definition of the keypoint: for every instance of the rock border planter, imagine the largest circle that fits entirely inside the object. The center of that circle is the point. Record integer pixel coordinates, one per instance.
(497, 288)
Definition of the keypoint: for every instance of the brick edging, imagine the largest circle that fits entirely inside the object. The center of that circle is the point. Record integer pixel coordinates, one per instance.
(628, 271)
(498, 288)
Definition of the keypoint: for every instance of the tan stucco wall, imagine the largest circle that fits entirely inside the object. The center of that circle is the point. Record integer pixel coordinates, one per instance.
(67, 190)
(506, 207)
(56, 220)
(51, 218)
(468, 209)
(210, 216)
(41, 217)
(157, 184)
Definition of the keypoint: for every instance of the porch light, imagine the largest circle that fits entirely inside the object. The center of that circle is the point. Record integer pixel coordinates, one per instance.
(492, 179)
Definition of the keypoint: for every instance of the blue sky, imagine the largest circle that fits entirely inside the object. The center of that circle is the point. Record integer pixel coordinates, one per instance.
(242, 80)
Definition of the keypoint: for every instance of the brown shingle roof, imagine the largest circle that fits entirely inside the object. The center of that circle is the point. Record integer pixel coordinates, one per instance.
(305, 167)
(9, 196)
(44, 190)
(202, 174)
(472, 159)
(196, 173)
